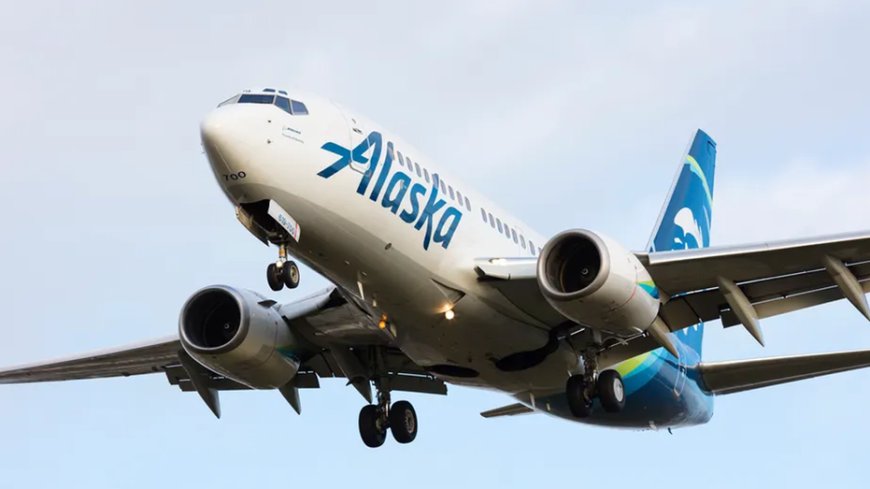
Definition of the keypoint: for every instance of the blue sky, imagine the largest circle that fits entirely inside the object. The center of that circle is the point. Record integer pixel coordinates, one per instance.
(568, 113)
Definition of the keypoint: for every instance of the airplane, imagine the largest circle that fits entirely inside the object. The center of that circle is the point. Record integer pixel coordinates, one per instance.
(433, 284)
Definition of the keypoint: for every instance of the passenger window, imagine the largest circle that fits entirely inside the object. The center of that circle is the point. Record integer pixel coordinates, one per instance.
(522, 241)
(443, 187)
(507, 231)
(298, 108)
(401, 159)
(452, 195)
(532, 247)
(498, 223)
(426, 175)
(417, 167)
(459, 197)
(284, 103)
(467, 204)
(491, 220)
(514, 235)
(483, 214)
(256, 98)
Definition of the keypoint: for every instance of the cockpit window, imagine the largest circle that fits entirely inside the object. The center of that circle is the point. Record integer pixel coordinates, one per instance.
(256, 98)
(299, 108)
(284, 103)
(231, 100)
(292, 107)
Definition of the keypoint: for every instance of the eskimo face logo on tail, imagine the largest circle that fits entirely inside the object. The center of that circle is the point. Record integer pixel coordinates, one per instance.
(687, 231)
(424, 207)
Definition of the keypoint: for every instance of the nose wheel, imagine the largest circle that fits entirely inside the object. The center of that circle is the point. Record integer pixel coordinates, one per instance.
(283, 273)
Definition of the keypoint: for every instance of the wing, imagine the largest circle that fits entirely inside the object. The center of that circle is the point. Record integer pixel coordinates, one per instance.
(741, 375)
(144, 358)
(738, 284)
(746, 283)
(341, 334)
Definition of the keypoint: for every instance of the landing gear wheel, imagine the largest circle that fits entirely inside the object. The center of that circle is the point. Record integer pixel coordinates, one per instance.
(611, 391)
(273, 276)
(290, 274)
(403, 422)
(578, 402)
(370, 429)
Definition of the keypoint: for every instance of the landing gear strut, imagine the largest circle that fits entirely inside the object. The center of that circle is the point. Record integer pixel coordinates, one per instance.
(607, 386)
(282, 273)
(376, 419)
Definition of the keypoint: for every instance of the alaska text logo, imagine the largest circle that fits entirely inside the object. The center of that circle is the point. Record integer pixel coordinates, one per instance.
(424, 207)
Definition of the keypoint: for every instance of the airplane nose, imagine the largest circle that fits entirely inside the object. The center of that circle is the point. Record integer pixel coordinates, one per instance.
(223, 140)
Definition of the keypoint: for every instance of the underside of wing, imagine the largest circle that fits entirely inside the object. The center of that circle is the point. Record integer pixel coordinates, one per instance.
(145, 358)
(746, 283)
(339, 340)
(741, 375)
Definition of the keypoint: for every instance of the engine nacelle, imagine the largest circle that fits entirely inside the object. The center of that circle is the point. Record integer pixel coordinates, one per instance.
(594, 281)
(240, 335)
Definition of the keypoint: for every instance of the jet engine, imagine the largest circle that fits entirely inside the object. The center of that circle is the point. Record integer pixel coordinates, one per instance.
(240, 335)
(595, 282)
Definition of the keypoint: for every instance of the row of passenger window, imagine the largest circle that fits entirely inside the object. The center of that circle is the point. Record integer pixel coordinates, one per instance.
(509, 232)
(457, 196)
(448, 190)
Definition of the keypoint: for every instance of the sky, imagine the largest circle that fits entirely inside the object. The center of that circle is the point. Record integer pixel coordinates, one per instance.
(569, 114)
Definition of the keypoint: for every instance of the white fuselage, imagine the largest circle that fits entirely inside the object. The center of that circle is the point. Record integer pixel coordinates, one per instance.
(391, 244)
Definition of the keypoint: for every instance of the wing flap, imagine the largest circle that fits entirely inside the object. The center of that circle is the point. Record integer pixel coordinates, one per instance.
(737, 376)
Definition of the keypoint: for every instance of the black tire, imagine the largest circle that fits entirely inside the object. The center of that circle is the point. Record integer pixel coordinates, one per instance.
(403, 422)
(611, 391)
(273, 276)
(575, 392)
(290, 274)
(371, 434)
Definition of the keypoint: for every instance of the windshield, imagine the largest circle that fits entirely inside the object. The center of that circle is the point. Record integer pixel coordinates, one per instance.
(292, 107)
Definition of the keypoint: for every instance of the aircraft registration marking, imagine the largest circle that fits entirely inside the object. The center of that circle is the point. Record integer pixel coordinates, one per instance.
(285, 220)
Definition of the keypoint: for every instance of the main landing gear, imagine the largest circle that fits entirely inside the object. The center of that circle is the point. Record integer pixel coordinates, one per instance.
(607, 386)
(376, 419)
(282, 273)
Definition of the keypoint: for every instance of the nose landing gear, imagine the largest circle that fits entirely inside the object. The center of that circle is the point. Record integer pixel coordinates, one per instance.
(282, 273)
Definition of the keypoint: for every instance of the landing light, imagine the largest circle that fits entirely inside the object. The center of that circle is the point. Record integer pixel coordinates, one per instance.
(382, 324)
(449, 314)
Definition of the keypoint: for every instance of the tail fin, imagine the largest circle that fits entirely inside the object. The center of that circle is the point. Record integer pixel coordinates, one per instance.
(685, 218)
